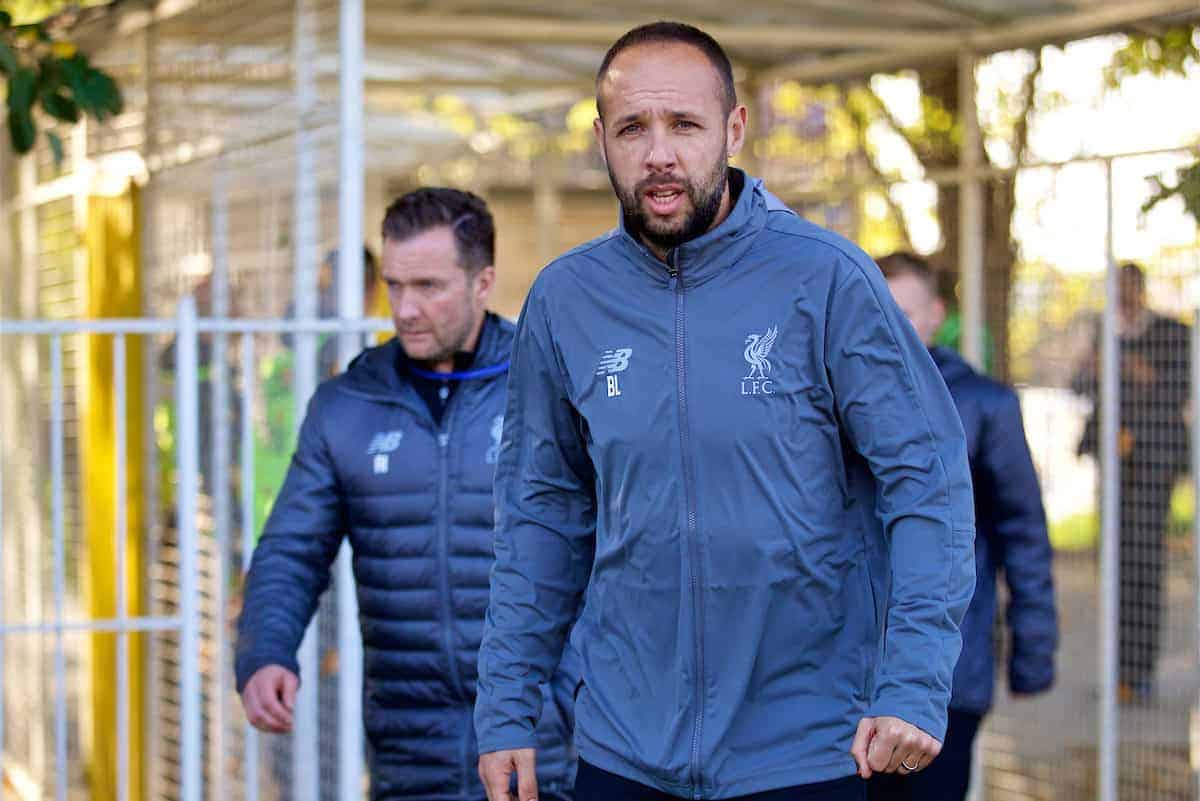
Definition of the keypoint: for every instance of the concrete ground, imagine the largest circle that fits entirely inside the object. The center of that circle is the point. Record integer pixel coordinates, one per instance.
(1044, 749)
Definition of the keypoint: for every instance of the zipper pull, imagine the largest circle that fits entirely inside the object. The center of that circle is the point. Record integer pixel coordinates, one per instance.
(443, 439)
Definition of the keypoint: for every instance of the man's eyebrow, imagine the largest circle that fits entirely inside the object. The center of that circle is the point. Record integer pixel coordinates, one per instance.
(635, 116)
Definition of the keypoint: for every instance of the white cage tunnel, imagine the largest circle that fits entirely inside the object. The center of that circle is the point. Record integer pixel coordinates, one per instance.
(261, 137)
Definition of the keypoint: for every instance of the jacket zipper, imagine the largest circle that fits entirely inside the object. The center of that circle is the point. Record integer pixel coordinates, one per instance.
(443, 544)
(673, 270)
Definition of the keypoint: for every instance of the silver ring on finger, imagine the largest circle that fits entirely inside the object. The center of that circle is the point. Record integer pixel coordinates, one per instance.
(910, 768)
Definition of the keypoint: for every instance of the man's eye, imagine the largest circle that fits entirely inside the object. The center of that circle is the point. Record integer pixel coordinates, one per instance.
(628, 129)
(685, 124)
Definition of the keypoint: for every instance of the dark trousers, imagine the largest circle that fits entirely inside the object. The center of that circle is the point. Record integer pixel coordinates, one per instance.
(1145, 505)
(593, 784)
(946, 778)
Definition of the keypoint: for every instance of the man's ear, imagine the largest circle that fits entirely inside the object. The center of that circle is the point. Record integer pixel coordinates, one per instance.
(938, 313)
(485, 282)
(735, 130)
(598, 132)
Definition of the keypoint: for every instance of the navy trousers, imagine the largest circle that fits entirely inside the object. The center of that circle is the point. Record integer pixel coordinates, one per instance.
(593, 784)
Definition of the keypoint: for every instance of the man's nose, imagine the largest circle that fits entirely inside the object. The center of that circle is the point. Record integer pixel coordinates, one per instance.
(407, 308)
(661, 155)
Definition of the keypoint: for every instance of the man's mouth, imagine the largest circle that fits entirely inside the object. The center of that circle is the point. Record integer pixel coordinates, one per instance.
(664, 200)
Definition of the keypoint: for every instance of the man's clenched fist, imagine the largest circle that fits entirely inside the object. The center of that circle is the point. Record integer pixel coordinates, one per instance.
(890, 745)
(269, 698)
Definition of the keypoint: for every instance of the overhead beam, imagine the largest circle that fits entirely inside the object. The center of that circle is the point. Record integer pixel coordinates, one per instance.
(1025, 32)
(131, 20)
(909, 10)
(505, 29)
(279, 77)
(964, 15)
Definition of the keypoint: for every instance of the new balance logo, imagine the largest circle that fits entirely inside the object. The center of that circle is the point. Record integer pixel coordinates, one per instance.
(614, 361)
(385, 442)
(382, 444)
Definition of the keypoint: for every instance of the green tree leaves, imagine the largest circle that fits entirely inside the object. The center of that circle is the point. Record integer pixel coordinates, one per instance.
(22, 88)
(53, 77)
(1169, 53)
(1186, 186)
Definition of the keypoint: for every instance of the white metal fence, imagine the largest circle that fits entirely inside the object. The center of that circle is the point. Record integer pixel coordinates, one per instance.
(198, 745)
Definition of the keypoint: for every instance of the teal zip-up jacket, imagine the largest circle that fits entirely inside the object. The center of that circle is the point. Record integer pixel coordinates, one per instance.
(743, 472)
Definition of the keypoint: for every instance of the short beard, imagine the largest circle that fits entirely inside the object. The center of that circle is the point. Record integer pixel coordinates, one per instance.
(704, 209)
(458, 341)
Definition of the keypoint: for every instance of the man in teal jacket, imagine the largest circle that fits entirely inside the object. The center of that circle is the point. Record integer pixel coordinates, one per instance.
(729, 455)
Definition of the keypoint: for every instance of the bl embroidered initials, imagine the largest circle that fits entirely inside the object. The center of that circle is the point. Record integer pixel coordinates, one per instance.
(612, 362)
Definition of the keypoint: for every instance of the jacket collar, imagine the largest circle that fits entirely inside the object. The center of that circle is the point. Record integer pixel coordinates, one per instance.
(706, 256)
(374, 373)
(950, 364)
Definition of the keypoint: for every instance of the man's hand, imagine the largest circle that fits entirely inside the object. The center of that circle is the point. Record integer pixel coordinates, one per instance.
(496, 769)
(1138, 369)
(269, 698)
(889, 745)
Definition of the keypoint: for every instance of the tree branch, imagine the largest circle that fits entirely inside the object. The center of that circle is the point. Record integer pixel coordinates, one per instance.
(882, 110)
(1028, 92)
(860, 129)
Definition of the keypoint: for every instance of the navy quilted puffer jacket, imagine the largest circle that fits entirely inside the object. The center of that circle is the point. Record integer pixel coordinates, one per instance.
(415, 499)
(1011, 542)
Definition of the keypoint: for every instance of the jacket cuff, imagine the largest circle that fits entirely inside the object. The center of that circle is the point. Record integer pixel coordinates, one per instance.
(916, 709)
(247, 664)
(506, 737)
(1026, 681)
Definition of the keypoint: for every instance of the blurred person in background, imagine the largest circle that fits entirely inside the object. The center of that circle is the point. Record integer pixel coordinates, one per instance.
(397, 454)
(1011, 537)
(327, 306)
(1152, 447)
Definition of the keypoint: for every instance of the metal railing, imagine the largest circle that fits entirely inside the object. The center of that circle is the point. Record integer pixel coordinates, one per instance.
(186, 328)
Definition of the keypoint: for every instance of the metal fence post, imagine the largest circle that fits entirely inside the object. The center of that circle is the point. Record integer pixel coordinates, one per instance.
(350, 306)
(1194, 432)
(219, 480)
(250, 734)
(1110, 509)
(306, 753)
(57, 482)
(186, 403)
(971, 215)
(121, 530)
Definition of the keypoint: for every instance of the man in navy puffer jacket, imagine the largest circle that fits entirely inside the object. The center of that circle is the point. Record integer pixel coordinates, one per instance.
(398, 453)
(1011, 536)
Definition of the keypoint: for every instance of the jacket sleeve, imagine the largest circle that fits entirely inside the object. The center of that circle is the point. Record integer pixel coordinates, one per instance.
(1014, 500)
(897, 413)
(290, 567)
(544, 539)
